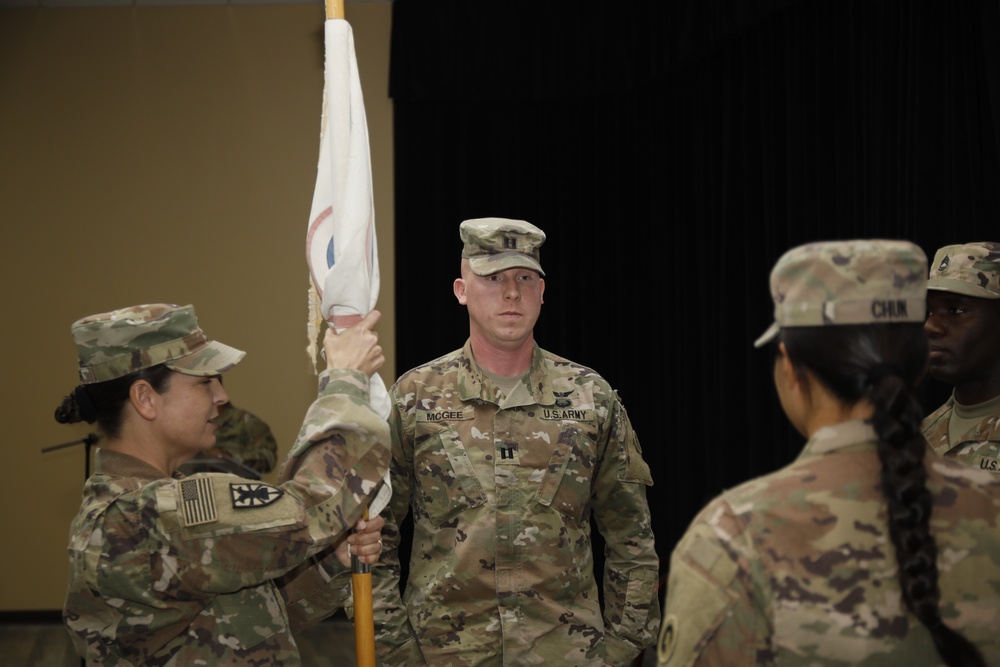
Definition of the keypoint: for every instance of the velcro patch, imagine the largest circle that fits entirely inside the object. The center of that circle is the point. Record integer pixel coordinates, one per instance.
(251, 495)
(197, 501)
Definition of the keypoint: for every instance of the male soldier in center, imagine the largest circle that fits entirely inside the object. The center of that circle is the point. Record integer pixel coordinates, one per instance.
(963, 328)
(503, 452)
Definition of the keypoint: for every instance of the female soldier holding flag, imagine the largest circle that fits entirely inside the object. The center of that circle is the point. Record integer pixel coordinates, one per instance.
(211, 569)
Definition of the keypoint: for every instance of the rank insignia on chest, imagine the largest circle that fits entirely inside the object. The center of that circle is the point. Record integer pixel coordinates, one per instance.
(507, 453)
(252, 495)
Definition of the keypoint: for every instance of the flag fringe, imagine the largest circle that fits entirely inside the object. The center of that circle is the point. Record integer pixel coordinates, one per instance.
(314, 326)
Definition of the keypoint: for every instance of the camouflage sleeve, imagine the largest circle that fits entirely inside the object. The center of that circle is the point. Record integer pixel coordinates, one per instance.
(711, 615)
(315, 590)
(631, 568)
(395, 640)
(218, 533)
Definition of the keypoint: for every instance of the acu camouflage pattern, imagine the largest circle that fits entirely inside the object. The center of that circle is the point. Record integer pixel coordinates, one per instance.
(848, 282)
(147, 589)
(114, 344)
(972, 269)
(501, 570)
(979, 447)
(797, 567)
(497, 244)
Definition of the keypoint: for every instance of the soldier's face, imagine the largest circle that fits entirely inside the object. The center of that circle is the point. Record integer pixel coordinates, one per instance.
(962, 332)
(186, 413)
(504, 306)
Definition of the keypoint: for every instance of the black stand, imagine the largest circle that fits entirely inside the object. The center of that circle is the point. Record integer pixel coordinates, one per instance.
(89, 441)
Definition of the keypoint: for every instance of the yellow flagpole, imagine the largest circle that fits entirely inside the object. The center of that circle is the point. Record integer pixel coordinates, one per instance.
(361, 573)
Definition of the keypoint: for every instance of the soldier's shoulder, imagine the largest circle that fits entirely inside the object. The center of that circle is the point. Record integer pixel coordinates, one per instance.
(560, 366)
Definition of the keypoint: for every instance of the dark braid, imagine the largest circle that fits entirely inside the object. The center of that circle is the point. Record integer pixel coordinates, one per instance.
(102, 402)
(882, 363)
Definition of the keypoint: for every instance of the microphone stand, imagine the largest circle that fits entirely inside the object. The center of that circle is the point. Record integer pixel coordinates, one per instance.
(89, 441)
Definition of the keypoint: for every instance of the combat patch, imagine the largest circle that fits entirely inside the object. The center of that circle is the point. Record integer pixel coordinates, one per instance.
(197, 501)
(251, 495)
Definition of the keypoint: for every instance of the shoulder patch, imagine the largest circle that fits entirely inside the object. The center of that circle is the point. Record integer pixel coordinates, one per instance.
(197, 501)
(250, 495)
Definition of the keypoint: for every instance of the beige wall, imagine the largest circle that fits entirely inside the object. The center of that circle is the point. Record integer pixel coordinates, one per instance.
(159, 154)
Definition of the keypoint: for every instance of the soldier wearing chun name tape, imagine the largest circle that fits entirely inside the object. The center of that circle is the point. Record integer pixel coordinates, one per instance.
(211, 569)
(503, 452)
(963, 326)
(867, 550)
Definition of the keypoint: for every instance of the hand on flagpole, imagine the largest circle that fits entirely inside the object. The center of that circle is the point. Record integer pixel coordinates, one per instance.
(365, 542)
(355, 347)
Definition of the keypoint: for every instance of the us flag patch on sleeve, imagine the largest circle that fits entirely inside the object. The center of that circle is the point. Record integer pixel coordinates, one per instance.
(197, 501)
(252, 495)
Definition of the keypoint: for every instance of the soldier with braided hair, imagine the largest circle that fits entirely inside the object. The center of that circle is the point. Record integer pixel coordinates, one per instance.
(867, 549)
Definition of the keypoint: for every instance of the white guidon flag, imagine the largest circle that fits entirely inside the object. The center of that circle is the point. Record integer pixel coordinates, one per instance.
(341, 248)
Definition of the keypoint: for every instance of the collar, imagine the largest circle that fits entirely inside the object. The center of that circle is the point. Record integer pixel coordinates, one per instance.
(115, 464)
(839, 436)
(535, 388)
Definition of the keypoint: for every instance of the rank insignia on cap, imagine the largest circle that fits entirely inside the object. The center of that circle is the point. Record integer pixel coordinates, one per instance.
(510, 243)
(252, 495)
(197, 501)
(944, 263)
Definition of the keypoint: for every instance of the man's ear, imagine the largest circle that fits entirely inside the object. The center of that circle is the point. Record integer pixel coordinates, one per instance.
(458, 287)
(143, 399)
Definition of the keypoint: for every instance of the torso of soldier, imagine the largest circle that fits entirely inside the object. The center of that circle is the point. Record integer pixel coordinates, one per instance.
(969, 434)
(504, 473)
(141, 622)
(797, 568)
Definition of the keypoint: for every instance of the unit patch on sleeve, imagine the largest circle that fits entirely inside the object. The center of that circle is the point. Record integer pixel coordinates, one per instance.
(249, 495)
(197, 501)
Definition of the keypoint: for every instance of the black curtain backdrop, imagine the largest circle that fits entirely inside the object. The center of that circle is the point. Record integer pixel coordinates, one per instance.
(672, 150)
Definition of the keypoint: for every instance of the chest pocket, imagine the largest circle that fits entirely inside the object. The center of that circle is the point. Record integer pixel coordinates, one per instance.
(567, 484)
(445, 481)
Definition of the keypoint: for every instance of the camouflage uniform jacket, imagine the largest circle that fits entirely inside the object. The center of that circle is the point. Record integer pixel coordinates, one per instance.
(980, 446)
(247, 439)
(506, 577)
(181, 571)
(797, 567)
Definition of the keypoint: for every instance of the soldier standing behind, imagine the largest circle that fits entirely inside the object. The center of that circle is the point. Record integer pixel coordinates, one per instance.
(503, 451)
(867, 549)
(211, 569)
(963, 326)
(244, 437)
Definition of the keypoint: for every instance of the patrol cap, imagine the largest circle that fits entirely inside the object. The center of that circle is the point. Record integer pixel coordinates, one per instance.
(112, 345)
(498, 244)
(848, 282)
(972, 269)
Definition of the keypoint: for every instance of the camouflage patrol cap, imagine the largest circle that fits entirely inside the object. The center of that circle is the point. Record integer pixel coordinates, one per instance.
(972, 269)
(498, 244)
(112, 345)
(848, 282)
